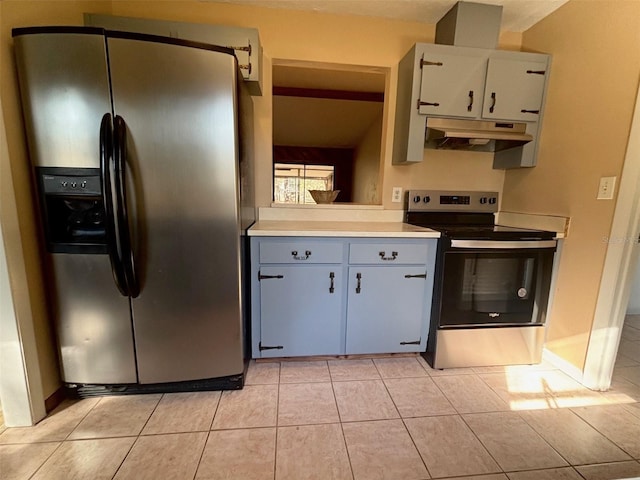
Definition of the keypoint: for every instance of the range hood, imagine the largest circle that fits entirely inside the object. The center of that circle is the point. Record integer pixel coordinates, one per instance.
(476, 135)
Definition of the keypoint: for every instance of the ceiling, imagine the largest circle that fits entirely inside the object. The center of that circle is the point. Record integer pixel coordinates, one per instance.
(517, 15)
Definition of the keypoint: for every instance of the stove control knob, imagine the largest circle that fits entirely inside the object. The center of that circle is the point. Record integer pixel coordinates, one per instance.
(426, 199)
(483, 200)
(74, 184)
(493, 200)
(416, 199)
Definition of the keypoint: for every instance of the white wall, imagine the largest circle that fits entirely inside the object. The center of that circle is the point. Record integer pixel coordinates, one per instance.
(634, 298)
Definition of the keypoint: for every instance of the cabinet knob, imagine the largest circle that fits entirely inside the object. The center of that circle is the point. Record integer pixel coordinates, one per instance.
(493, 104)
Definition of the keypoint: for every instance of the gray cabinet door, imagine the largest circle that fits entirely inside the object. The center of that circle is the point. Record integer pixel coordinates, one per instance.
(300, 312)
(179, 105)
(385, 309)
(452, 85)
(514, 89)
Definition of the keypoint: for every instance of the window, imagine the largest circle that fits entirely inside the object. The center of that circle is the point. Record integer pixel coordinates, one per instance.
(292, 182)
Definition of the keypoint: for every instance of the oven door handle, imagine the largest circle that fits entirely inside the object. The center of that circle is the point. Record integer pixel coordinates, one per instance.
(502, 245)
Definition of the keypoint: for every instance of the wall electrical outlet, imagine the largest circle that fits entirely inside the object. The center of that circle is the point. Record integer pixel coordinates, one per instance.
(396, 196)
(606, 188)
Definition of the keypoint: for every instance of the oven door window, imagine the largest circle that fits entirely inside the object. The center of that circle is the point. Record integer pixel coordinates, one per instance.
(495, 287)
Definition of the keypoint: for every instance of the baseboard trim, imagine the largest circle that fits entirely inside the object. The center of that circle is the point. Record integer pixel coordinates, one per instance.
(562, 365)
(55, 399)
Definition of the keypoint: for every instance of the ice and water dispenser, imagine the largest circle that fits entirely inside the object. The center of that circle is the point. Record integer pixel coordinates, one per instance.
(73, 210)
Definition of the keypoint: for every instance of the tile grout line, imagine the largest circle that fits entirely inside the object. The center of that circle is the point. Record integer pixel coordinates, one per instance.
(602, 433)
(404, 424)
(137, 437)
(206, 440)
(204, 447)
(46, 459)
(61, 442)
(275, 446)
(344, 438)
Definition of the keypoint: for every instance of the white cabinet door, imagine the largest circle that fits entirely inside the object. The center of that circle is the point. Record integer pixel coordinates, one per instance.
(385, 309)
(300, 310)
(452, 85)
(514, 89)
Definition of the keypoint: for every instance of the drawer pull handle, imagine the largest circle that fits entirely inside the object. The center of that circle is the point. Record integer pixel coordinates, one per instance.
(394, 256)
(537, 112)
(331, 277)
(423, 275)
(493, 104)
(358, 286)
(261, 348)
(415, 342)
(266, 277)
(295, 256)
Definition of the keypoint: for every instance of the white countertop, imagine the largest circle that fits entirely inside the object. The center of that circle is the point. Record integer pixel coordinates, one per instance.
(291, 228)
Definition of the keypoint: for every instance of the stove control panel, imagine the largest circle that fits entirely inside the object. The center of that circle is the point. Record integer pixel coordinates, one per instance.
(451, 201)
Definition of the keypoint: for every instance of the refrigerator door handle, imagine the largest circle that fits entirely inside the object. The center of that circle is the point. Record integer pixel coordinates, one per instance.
(122, 215)
(106, 159)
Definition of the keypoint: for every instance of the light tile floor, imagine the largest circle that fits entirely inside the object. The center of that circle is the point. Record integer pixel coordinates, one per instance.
(383, 418)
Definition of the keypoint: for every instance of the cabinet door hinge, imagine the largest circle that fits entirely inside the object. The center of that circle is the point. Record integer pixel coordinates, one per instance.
(277, 347)
(427, 63)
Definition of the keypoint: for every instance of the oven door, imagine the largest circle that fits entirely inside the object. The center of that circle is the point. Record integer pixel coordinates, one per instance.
(495, 283)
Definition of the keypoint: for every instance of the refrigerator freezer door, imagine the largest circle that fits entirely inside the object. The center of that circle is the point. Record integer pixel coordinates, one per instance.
(93, 322)
(179, 105)
(65, 92)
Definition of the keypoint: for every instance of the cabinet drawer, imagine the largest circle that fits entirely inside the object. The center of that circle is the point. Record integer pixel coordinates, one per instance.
(387, 253)
(300, 252)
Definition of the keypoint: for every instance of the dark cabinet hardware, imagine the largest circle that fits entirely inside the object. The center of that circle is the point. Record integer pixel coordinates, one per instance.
(470, 106)
(277, 347)
(394, 255)
(307, 254)
(243, 49)
(415, 342)
(424, 275)
(266, 277)
(493, 105)
(331, 277)
(537, 72)
(359, 278)
(427, 63)
(428, 104)
(530, 111)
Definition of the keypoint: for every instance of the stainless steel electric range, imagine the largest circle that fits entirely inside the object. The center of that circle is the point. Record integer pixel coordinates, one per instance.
(492, 282)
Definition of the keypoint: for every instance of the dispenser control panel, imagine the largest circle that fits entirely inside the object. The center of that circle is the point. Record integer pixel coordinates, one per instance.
(64, 184)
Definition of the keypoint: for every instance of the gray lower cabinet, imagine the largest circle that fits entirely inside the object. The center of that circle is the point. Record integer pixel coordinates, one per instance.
(335, 296)
(386, 307)
(300, 310)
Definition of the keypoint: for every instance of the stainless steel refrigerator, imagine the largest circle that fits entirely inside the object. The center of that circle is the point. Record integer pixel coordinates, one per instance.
(141, 155)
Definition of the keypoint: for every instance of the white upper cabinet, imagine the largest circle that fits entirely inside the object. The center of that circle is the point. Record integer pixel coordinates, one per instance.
(452, 85)
(514, 89)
